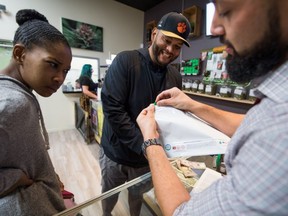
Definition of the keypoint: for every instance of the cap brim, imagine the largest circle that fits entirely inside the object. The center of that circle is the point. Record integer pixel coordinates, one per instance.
(171, 34)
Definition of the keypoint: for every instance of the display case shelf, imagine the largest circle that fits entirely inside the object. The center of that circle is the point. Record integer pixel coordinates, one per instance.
(220, 98)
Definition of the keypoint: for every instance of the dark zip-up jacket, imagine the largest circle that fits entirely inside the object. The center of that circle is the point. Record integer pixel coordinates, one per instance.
(131, 84)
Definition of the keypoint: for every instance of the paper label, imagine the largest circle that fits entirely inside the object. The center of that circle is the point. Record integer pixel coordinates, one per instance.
(201, 86)
(208, 88)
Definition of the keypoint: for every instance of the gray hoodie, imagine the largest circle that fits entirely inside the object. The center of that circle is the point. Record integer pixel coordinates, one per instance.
(23, 148)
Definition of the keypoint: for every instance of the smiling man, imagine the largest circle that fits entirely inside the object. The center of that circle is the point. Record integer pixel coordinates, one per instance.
(132, 82)
(256, 35)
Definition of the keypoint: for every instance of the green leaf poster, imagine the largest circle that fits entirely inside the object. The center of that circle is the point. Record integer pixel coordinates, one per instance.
(82, 35)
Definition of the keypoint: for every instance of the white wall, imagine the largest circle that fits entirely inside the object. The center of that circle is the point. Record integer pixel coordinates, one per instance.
(122, 30)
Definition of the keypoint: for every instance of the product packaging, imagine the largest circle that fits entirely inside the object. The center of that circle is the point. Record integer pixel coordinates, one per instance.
(184, 134)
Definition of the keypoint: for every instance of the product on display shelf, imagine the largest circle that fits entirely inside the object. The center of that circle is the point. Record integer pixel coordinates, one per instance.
(240, 93)
(187, 84)
(210, 89)
(251, 96)
(225, 91)
(201, 88)
(184, 81)
(195, 86)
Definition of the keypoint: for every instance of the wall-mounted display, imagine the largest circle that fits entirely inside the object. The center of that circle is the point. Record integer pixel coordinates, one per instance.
(191, 66)
(82, 35)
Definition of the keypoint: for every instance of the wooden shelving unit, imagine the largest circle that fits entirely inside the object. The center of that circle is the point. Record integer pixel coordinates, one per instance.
(220, 98)
(194, 14)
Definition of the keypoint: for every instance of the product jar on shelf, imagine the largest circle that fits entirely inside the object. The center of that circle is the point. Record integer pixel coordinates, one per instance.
(251, 96)
(240, 93)
(189, 85)
(225, 91)
(201, 88)
(210, 89)
(184, 84)
(195, 85)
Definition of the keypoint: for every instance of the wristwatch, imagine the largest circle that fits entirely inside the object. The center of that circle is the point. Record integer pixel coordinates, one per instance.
(149, 142)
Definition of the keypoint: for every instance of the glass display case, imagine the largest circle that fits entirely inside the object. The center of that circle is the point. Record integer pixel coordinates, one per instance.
(149, 206)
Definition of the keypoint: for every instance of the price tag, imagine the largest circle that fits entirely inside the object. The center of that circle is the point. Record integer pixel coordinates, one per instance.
(238, 91)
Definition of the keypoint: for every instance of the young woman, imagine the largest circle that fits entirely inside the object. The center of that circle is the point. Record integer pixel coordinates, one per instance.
(41, 58)
(89, 88)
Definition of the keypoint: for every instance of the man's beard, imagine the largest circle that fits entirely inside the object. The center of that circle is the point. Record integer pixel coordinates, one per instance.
(156, 50)
(260, 59)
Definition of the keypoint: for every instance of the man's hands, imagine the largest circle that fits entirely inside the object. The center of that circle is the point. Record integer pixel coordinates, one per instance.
(147, 123)
(176, 98)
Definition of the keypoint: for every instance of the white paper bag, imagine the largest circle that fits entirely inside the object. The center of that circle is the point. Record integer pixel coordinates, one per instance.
(184, 134)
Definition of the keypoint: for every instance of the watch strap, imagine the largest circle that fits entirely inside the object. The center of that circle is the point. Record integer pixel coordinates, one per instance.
(149, 142)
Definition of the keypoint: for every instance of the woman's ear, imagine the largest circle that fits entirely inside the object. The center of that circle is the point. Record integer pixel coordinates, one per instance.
(18, 53)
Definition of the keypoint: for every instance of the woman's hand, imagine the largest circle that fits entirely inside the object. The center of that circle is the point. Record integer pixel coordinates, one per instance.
(61, 185)
(23, 181)
(147, 123)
